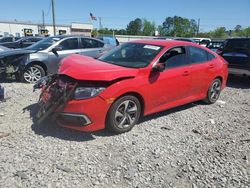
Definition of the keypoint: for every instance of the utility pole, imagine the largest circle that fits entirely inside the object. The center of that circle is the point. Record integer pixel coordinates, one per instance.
(100, 23)
(198, 29)
(43, 19)
(53, 15)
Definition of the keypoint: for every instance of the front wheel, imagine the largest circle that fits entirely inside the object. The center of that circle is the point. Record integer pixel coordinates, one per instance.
(32, 74)
(213, 92)
(123, 114)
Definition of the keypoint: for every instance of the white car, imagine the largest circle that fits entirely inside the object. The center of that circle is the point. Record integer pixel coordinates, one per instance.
(202, 41)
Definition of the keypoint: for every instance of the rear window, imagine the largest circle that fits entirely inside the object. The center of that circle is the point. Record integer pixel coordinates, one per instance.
(237, 45)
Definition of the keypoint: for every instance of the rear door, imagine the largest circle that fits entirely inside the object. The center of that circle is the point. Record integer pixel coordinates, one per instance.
(171, 85)
(203, 67)
(91, 47)
(237, 53)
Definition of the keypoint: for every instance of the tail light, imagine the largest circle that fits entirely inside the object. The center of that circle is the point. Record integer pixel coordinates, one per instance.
(219, 51)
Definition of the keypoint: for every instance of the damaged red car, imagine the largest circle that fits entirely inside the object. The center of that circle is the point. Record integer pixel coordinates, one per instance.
(132, 80)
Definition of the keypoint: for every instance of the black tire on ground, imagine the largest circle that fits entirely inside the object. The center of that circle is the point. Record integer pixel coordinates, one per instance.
(213, 92)
(123, 114)
(32, 74)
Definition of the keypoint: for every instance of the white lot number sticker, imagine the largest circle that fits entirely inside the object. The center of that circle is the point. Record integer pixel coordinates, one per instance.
(152, 47)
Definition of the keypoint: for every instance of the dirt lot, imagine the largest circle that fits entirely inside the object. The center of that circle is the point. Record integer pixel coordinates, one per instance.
(195, 145)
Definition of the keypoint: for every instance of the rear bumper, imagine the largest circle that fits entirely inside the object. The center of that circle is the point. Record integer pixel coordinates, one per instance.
(236, 71)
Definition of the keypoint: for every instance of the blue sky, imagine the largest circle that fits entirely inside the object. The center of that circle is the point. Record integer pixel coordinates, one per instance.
(118, 13)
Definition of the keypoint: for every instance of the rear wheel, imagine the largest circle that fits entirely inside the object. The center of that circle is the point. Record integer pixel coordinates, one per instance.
(33, 73)
(213, 92)
(123, 114)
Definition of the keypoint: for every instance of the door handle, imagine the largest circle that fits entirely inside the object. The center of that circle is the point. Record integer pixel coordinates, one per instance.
(77, 53)
(211, 66)
(185, 73)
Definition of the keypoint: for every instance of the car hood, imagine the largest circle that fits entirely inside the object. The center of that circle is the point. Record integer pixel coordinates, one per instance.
(15, 52)
(86, 68)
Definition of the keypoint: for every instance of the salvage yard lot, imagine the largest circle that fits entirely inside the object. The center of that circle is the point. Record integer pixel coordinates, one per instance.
(195, 145)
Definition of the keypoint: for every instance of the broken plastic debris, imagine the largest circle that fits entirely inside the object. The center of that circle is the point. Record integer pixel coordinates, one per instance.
(221, 102)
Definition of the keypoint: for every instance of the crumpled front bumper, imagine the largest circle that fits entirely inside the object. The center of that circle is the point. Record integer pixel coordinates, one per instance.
(56, 102)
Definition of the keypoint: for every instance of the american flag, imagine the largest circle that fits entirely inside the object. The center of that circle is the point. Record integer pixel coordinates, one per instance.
(92, 17)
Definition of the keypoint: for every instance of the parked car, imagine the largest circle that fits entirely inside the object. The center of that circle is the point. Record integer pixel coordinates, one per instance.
(109, 40)
(214, 45)
(22, 42)
(236, 52)
(132, 80)
(2, 48)
(202, 41)
(184, 39)
(43, 58)
(8, 39)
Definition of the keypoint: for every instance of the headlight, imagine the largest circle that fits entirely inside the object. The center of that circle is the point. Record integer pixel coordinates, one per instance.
(87, 92)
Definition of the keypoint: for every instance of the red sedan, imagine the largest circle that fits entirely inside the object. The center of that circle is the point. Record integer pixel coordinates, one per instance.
(132, 80)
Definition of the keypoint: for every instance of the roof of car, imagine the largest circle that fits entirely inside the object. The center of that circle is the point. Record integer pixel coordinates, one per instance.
(165, 42)
(240, 38)
(65, 36)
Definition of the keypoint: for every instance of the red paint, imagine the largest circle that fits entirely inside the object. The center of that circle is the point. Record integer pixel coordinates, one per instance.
(158, 90)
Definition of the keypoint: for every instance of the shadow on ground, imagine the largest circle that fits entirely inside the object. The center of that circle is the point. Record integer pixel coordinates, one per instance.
(171, 111)
(51, 129)
(238, 82)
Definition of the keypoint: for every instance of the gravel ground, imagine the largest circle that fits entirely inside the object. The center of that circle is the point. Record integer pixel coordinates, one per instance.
(195, 145)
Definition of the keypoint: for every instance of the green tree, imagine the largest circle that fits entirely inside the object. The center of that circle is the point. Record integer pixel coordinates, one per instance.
(220, 32)
(246, 32)
(148, 28)
(178, 26)
(135, 27)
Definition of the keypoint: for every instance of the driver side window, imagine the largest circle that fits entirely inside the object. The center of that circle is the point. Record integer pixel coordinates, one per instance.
(69, 44)
(174, 57)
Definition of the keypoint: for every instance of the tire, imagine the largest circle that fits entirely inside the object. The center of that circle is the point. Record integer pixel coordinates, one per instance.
(32, 74)
(213, 92)
(123, 114)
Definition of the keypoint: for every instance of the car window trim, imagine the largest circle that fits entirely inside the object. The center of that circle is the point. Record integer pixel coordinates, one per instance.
(189, 56)
(186, 55)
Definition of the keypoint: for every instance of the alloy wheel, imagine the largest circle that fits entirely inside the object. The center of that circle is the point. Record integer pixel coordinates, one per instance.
(215, 90)
(32, 74)
(126, 113)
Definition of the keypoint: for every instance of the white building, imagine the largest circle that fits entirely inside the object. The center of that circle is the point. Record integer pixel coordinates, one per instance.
(20, 29)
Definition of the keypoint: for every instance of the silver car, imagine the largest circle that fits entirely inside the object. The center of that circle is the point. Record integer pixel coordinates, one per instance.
(44, 56)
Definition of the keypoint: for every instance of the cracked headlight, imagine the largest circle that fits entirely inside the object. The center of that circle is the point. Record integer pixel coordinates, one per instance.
(87, 92)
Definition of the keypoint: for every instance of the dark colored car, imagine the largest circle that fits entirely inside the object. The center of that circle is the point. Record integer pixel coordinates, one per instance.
(22, 42)
(132, 80)
(236, 52)
(8, 39)
(214, 45)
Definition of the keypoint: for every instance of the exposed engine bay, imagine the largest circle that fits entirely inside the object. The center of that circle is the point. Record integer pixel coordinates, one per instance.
(12, 65)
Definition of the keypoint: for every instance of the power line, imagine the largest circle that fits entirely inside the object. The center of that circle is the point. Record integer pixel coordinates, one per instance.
(49, 8)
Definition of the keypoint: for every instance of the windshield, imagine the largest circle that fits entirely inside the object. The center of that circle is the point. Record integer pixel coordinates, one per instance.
(133, 55)
(44, 44)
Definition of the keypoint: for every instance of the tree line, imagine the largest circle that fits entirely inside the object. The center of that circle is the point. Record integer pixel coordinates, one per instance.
(175, 26)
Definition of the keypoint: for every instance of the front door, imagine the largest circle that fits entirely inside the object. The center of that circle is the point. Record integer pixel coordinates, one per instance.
(171, 85)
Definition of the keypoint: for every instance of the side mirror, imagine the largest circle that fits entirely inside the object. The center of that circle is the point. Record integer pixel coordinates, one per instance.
(21, 43)
(54, 50)
(158, 67)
